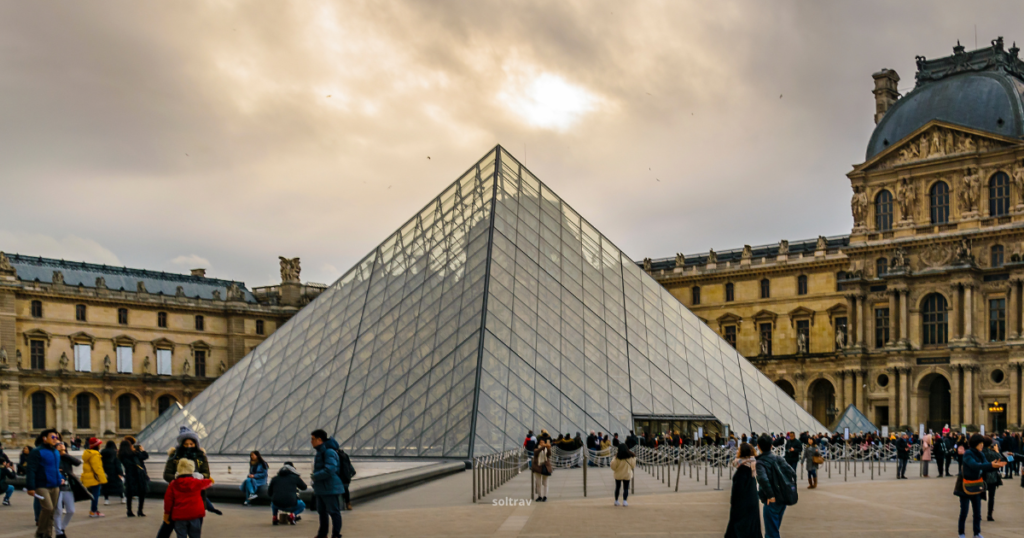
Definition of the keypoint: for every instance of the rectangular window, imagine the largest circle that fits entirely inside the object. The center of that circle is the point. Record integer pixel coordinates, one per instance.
(801, 285)
(695, 295)
(730, 335)
(124, 412)
(161, 319)
(730, 292)
(163, 362)
(37, 309)
(803, 330)
(259, 326)
(79, 312)
(83, 412)
(766, 290)
(881, 327)
(766, 339)
(38, 410)
(997, 320)
(83, 358)
(200, 323)
(122, 316)
(200, 363)
(124, 360)
(37, 354)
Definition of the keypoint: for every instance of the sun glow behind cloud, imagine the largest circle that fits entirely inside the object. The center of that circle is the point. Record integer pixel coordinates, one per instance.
(549, 102)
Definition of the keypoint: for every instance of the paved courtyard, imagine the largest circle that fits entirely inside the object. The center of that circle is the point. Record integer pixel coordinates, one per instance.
(858, 507)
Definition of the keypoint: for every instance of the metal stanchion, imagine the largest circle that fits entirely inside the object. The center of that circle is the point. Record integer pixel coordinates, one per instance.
(845, 462)
(679, 469)
(586, 463)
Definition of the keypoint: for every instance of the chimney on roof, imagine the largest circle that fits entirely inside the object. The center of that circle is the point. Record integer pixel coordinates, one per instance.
(885, 91)
(201, 273)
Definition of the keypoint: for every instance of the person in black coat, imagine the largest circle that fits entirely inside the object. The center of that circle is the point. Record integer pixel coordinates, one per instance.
(973, 466)
(347, 473)
(632, 440)
(115, 473)
(284, 495)
(902, 455)
(136, 478)
(743, 505)
(793, 450)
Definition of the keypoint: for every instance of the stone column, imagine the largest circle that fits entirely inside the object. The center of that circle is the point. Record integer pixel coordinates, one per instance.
(954, 312)
(848, 388)
(861, 400)
(904, 317)
(894, 316)
(892, 389)
(904, 396)
(851, 320)
(968, 417)
(955, 396)
(106, 415)
(65, 405)
(841, 391)
(148, 411)
(862, 318)
(1012, 324)
(1012, 414)
(5, 424)
(801, 391)
(968, 312)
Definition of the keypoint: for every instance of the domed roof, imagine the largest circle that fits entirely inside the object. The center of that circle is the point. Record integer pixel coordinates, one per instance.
(982, 89)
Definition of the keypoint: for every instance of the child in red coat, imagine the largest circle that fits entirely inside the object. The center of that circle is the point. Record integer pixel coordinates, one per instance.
(183, 502)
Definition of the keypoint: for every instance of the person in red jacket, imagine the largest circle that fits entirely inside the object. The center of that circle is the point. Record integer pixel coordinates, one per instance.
(183, 501)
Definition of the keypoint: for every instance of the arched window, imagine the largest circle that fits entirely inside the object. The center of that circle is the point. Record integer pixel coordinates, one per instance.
(939, 199)
(730, 292)
(163, 403)
(883, 211)
(766, 289)
(124, 412)
(881, 267)
(695, 295)
(933, 315)
(999, 194)
(801, 285)
(39, 410)
(997, 255)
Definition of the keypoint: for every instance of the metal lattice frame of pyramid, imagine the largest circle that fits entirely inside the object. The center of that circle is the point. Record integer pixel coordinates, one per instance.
(855, 420)
(494, 310)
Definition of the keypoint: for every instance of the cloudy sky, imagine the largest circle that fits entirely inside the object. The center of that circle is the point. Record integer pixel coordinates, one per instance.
(219, 134)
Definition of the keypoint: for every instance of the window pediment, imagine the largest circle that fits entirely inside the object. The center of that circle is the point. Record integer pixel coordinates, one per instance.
(82, 337)
(162, 343)
(36, 334)
(766, 316)
(728, 319)
(801, 312)
(125, 341)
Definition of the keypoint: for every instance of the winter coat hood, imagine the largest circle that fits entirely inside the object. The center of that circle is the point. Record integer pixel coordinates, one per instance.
(288, 470)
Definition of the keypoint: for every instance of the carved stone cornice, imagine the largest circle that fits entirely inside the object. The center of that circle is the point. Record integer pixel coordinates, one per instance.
(108, 389)
(800, 376)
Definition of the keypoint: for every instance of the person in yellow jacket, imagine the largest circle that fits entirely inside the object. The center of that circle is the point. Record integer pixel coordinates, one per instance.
(92, 474)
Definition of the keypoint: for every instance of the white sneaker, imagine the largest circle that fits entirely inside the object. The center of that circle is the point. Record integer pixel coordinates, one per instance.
(616, 503)
(122, 500)
(624, 503)
(252, 497)
(106, 502)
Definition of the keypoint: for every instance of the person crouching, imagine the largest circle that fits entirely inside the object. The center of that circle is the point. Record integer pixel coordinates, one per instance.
(284, 497)
(183, 502)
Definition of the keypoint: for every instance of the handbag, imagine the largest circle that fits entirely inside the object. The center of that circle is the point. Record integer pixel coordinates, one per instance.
(818, 460)
(972, 487)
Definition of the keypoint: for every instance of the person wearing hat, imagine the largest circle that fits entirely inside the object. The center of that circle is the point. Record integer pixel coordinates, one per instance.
(188, 448)
(93, 475)
(183, 501)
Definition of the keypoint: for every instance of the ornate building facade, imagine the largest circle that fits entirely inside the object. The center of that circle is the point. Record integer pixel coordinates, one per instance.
(915, 316)
(94, 350)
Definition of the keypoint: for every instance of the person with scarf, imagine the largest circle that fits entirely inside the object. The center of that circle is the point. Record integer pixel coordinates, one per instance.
(542, 467)
(744, 504)
(973, 466)
(188, 449)
(810, 453)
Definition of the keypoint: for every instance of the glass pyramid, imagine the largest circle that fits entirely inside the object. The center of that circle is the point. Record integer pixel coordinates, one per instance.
(855, 420)
(496, 309)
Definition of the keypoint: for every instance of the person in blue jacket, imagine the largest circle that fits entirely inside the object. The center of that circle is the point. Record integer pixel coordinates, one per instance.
(327, 484)
(258, 471)
(972, 467)
(43, 478)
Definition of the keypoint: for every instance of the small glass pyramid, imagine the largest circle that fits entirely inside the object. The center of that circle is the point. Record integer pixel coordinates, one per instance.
(494, 310)
(855, 420)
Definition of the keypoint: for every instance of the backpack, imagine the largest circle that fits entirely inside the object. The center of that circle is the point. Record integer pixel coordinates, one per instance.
(786, 493)
(345, 469)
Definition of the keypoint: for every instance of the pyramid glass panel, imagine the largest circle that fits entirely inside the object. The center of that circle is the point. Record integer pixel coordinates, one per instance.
(497, 308)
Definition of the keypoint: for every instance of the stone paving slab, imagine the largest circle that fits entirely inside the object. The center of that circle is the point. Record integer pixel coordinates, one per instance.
(912, 508)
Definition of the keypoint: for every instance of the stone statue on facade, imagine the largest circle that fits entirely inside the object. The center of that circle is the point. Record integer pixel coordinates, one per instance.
(64, 362)
(1018, 179)
(712, 257)
(859, 204)
(3, 356)
(764, 346)
(5, 263)
(179, 291)
(101, 282)
(822, 243)
(106, 364)
(680, 260)
(962, 254)
(783, 247)
(899, 258)
(748, 252)
(185, 368)
(290, 269)
(906, 197)
(647, 265)
(840, 337)
(935, 146)
(58, 278)
(17, 358)
(235, 293)
(145, 365)
(966, 144)
(140, 287)
(223, 368)
(969, 189)
(215, 294)
(801, 343)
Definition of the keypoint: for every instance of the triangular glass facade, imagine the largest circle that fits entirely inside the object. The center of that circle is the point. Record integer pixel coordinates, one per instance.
(495, 310)
(855, 420)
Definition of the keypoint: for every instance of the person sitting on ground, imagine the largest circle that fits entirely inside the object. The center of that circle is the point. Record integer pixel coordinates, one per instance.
(257, 478)
(623, 464)
(284, 496)
(183, 501)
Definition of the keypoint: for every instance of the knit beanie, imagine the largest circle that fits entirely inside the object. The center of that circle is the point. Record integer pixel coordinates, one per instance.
(95, 443)
(185, 467)
(186, 433)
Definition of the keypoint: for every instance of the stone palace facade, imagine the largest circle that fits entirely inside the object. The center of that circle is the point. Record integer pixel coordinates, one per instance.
(915, 316)
(94, 350)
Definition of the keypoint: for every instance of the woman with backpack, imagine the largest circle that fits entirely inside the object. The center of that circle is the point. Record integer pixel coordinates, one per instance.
(258, 472)
(115, 473)
(970, 485)
(542, 467)
(623, 464)
(744, 520)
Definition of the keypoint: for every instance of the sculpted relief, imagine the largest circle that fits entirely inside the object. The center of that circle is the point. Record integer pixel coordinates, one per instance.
(970, 190)
(906, 197)
(937, 142)
(859, 205)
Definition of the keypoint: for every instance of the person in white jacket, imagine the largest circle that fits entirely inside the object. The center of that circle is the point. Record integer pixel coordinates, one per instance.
(623, 464)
